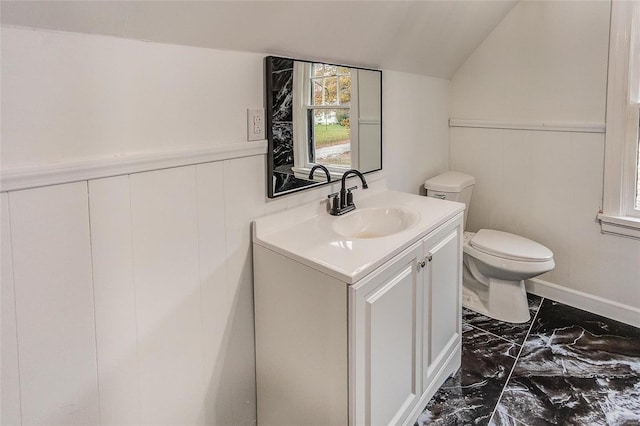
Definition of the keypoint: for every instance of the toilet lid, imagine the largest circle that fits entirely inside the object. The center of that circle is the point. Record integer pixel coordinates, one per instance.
(510, 246)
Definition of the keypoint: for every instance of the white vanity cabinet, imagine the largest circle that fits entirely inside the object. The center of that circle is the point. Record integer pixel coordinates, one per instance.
(405, 326)
(364, 348)
(385, 327)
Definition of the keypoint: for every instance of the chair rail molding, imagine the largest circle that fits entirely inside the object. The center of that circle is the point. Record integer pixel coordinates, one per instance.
(32, 176)
(549, 126)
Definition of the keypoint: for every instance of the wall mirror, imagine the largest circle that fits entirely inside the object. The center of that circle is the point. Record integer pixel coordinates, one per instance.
(320, 114)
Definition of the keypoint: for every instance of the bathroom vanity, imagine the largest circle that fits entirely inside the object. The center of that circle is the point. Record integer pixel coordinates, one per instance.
(358, 317)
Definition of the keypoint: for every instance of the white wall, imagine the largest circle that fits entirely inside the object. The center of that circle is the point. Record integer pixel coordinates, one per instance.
(72, 96)
(546, 62)
(415, 144)
(128, 300)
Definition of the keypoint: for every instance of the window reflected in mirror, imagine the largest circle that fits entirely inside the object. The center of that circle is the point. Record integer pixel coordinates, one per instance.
(328, 105)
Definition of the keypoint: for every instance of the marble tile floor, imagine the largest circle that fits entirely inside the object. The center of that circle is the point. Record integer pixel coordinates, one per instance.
(564, 367)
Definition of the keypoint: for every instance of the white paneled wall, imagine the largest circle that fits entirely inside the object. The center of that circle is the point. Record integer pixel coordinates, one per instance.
(164, 232)
(133, 298)
(242, 203)
(54, 304)
(115, 300)
(10, 393)
(214, 292)
(548, 186)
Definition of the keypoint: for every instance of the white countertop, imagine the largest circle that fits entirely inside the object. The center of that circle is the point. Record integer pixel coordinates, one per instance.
(306, 233)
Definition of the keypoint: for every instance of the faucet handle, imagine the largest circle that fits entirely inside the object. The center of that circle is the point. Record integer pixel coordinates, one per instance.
(335, 203)
(350, 195)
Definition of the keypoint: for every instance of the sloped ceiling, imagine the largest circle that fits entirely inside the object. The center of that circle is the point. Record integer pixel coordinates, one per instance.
(423, 37)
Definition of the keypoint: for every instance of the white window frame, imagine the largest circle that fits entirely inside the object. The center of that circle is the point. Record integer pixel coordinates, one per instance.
(301, 104)
(618, 216)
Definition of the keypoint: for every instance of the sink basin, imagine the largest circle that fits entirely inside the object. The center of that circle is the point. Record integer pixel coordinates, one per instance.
(375, 222)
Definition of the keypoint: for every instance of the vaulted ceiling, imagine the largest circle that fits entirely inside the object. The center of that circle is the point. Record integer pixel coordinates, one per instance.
(423, 37)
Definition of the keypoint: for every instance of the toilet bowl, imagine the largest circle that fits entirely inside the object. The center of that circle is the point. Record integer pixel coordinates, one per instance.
(495, 263)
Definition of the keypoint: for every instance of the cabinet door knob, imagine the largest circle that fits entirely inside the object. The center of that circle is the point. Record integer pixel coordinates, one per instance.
(422, 263)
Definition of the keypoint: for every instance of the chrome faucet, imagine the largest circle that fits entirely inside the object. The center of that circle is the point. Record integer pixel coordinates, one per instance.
(342, 202)
(320, 166)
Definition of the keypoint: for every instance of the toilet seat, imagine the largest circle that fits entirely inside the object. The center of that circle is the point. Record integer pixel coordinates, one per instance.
(503, 266)
(509, 246)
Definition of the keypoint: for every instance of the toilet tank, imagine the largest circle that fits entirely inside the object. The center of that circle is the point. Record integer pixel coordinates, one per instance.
(453, 186)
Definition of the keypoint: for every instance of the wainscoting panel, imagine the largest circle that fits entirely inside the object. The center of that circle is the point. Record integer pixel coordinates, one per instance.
(165, 263)
(10, 387)
(115, 301)
(215, 295)
(134, 297)
(244, 200)
(54, 305)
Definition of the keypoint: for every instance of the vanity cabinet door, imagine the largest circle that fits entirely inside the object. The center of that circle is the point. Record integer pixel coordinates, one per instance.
(385, 331)
(442, 276)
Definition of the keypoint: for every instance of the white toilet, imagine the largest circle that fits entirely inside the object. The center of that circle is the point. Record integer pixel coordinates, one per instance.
(496, 263)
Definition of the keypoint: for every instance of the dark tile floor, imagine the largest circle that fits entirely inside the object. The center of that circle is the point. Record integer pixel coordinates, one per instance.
(564, 367)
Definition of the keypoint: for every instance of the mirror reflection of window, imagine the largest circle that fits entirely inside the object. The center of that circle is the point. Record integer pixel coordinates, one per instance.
(336, 116)
(327, 103)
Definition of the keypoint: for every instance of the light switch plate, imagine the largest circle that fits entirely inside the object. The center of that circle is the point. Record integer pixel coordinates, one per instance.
(255, 124)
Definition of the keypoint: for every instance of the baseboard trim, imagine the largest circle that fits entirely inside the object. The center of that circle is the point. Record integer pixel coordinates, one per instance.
(12, 179)
(588, 302)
